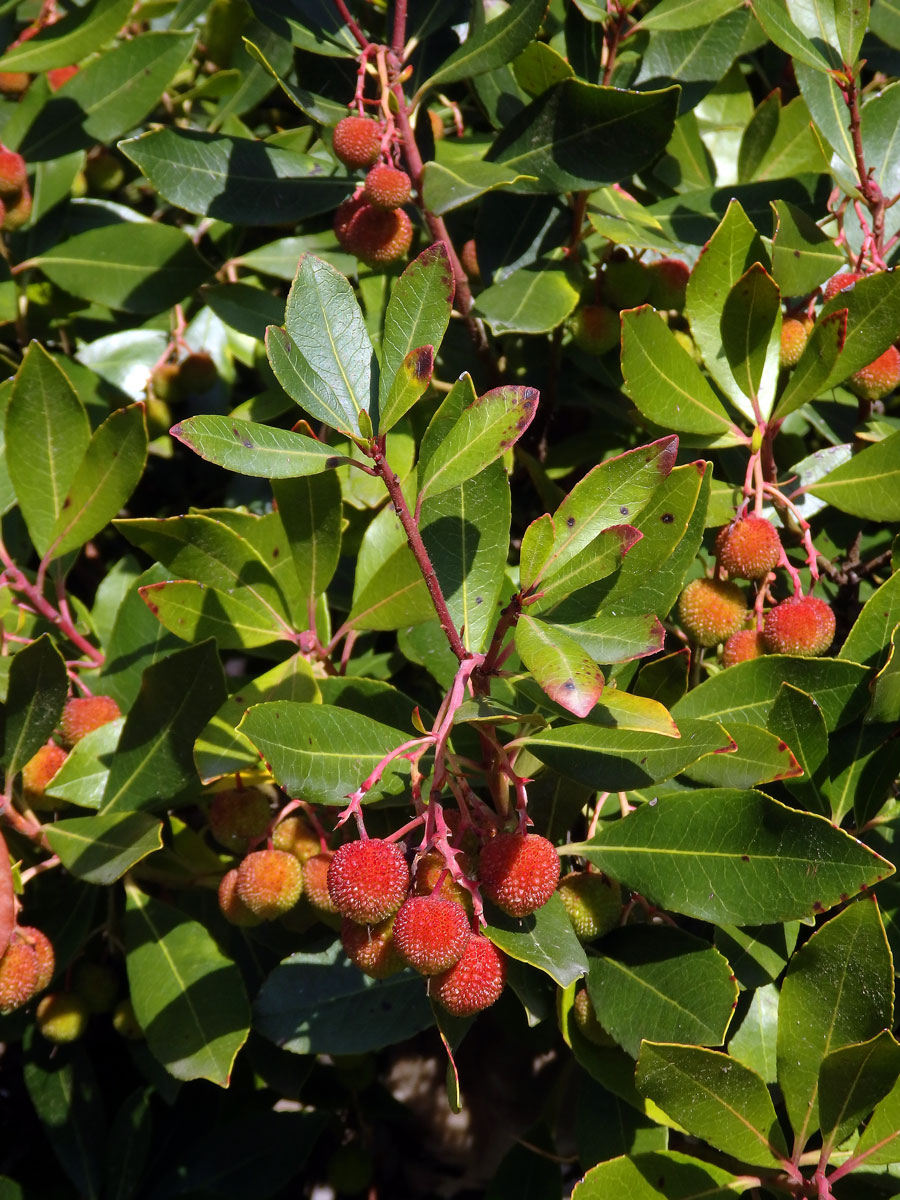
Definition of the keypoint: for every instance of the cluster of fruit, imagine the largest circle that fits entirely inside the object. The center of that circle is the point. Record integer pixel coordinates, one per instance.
(715, 610)
(626, 282)
(872, 382)
(81, 715)
(14, 83)
(372, 223)
(15, 196)
(390, 919)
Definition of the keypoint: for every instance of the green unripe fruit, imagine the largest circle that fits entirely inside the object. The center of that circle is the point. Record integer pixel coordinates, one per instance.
(159, 417)
(125, 1022)
(96, 985)
(593, 902)
(586, 1020)
(104, 172)
(625, 282)
(296, 836)
(197, 374)
(668, 283)
(238, 816)
(164, 382)
(350, 1169)
(596, 328)
(62, 1017)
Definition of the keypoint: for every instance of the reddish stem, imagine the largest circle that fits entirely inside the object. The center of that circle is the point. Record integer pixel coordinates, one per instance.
(19, 582)
(350, 22)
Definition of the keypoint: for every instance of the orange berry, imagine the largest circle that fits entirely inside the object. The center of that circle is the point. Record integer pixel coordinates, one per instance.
(379, 235)
(879, 378)
(13, 83)
(473, 983)
(596, 328)
(234, 910)
(37, 773)
(60, 75)
(840, 283)
(315, 882)
(371, 948)
(711, 610)
(269, 882)
(295, 835)
(749, 548)
(13, 173)
(357, 141)
(238, 817)
(19, 974)
(387, 187)
(741, 646)
(668, 283)
(84, 714)
(794, 336)
(593, 902)
(368, 880)
(801, 625)
(43, 949)
(431, 933)
(519, 872)
(430, 868)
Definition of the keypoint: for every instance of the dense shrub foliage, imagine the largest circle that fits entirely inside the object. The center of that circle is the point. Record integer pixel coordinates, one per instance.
(450, 483)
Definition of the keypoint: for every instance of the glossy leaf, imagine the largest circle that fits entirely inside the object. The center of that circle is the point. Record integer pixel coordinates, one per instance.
(136, 641)
(310, 511)
(545, 939)
(100, 849)
(35, 697)
(194, 611)
(483, 431)
(577, 136)
(447, 186)
(885, 706)
(66, 1097)
(779, 23)
(70, 40)
(817, 362)
(47, 432)
(612, 639)
(731, 856)
(869, 639)
(873, 321)
(219, 177)
(852, 1081)
(249, 448)
(751, 334)
(389, 590)
(715, 1098)
(759, 757)
(154, 756)
(881, 1138)
(321, 752)
(563, 669)
(753, 1043)
(623, 710)
(796, 718)
(630, 1176)
(802, 255)
(82, 778)
(318, 1003)
(535, 299)
(599, 559)
(867, 486)
(410, 384)
(188, 997)
(496, 43)
(838, 990)
(658, 983)
(665, 383)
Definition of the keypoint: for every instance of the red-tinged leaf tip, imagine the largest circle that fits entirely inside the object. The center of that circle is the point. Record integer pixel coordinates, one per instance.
(574, 699)
(628, 536)
(668, 454)
(176, 432)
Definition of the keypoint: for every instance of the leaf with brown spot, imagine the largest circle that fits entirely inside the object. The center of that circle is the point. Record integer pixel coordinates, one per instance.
(568, 674)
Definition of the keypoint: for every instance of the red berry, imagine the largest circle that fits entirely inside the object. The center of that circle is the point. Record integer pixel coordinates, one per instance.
(296, 836)
(794, 336)
(238, 817)
(84, 714)
(43, 949)
(749, 548)
(368, 880)
(269, 882)
(741, 646)
(711, 610)
(13, 83)
(840, 283)
(475, 982)
(386, 187)
(315, 882)
(371, 948)
(357, 141)
(596, 328)
(18, 976)
(668, 283)
(519, 872)
(13, 172)
(60, 75)
(879, 378)
(431, 933)
(346, 212)
(593, 902)
(233, 908)
(37, 773)
(379, 235)
(802, 625)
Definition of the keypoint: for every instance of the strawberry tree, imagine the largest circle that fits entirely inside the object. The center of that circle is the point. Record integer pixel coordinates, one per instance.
(449, 492)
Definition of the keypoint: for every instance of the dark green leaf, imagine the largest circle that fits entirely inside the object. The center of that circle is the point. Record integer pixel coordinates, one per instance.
(852, 1081)
(759, 757)
(817, 362)
(101, 849)
(873, 321)
(310, 511)
(545, 940)
(58, 45)
(802, 255)
(751, 334)
(753, 1044)
(535, 299)
(129, 1146)
(869, 640)
(880, 1141)
(496, 43)
(34, 701)
(66, 1097)
(447, 186)
(797, 719)
(779, 22)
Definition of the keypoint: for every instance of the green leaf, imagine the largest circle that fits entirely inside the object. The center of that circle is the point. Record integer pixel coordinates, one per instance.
(535, 299)
(817, 363)
(885, 706)
(869, 640)
(195, 611)
(622, 710)
(685, 14)
(690, 1178)
(137, 640)
(537, 545)
(576, 136)
(796, 718)
(495, 44)
(802, 255)
(483, 431)
(189, 998)
(108, 96)
(66, 1097)
(738, 857)
(449, 185)
(310, 511)
(220, 177)
(566, 673)
(545, 939)
(154, 757)
(747, 691)
(410, 383)
(389, 590)
(867, 486)
(320, 1004)
(751, 334)
(730, 252)
(417, 316)
(696, 55)
(82, 778)
(759, 757)
(838, 990)
(659, 983)
(666, 384)
(324, 323)
(880, 119)
(136, 266)
(101, 849)
(109, 472)
(599, 559)
(873, 321)
(70, 40)
(759, 954)
(881, 1138)
(47, 432)
(249, 448)
(620, 760)
(852, 1081)
(779, 22)
(322, 752)
(304, 386)
(754, 1042)
(714, 1097)
(35, 697)
(128, 1147)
